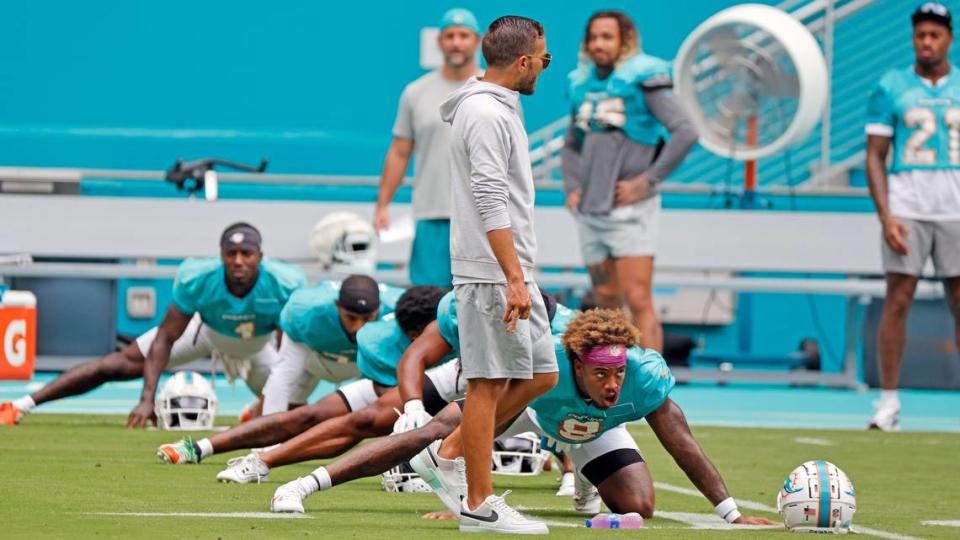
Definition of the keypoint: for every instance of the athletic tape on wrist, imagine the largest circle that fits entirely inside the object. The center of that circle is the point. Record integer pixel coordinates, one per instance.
(727, 509)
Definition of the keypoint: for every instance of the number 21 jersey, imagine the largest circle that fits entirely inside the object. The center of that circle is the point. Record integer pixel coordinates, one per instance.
(922, 118)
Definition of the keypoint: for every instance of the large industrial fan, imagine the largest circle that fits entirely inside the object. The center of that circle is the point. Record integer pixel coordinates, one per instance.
(754, 79)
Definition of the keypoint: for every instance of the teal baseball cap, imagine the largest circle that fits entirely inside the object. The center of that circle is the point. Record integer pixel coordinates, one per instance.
(459, 17)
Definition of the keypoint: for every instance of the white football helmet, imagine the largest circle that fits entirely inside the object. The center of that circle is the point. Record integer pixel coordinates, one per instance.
(186, 402)
(520, 455)
(403, 479)
(345, 241)
(817, 497)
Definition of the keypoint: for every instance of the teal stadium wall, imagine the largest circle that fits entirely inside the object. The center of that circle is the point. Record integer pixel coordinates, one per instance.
(314, 86)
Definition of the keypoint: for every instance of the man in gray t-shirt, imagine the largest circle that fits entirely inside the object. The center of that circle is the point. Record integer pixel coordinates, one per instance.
(418, 125)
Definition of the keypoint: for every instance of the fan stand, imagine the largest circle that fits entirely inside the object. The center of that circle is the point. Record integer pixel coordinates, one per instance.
(749, 199)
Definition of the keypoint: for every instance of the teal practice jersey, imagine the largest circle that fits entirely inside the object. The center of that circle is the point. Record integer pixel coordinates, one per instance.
(617, 102)
(565, 415)
(201, 287)
(923, 120)
(311, 318)
(380, 345)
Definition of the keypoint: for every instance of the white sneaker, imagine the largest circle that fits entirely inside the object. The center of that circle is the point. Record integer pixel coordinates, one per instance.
(243, 470)
(586, 497)
(447, 477)
(495, 515)
(289, 498)
(887, 417)
(566, 485)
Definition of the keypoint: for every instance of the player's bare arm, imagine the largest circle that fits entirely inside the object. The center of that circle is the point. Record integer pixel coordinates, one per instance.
(395, 165)
(425, 352)
(894, 231)
(671, 428)
(172, 327)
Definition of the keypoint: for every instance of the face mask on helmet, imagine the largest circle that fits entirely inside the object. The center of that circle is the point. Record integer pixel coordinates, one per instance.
(403, 479)
(346, 242)
(519, 456)
(186, 402)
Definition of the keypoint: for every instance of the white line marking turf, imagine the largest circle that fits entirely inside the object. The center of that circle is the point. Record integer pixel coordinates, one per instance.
(943, 522)
(231, 515)
(813, 441)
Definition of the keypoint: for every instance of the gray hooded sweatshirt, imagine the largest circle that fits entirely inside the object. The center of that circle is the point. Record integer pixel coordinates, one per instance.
(491, 180)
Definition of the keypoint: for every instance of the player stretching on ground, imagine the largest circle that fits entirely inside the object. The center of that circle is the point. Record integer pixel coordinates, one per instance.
(424, 389)
(377, 342)
(605, 381)
(228, 308)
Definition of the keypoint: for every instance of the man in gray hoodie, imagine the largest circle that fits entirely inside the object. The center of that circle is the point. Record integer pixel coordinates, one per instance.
(507, 351)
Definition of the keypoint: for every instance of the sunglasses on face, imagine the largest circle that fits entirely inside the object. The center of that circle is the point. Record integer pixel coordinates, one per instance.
(546, 58)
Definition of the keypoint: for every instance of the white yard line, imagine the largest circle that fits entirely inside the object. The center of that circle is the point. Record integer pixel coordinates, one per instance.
(708, 521)
(753, 505)
(814, 441)
(942, 522)
(231, 515)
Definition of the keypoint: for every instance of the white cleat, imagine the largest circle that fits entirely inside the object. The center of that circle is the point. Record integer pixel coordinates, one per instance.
(887, 417)
(495, 515)
(586, 498)
(243, 470)
(447, 477)
(566, 485)
(288, 498)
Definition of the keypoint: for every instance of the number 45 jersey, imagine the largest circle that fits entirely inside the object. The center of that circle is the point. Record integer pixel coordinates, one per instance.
(923, 119)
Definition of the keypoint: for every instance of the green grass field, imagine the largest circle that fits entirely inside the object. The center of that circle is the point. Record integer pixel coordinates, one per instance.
(62, 471)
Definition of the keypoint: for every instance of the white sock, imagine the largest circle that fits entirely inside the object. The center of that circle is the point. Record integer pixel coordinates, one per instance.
(889, 397)
(318, 480)
(206, 448)
(24, 404)
(567, 479)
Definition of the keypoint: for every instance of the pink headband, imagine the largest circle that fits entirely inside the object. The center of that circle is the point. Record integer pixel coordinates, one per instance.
(606, 356)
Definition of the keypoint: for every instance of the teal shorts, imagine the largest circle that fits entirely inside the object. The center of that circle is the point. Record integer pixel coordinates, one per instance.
(430, 257)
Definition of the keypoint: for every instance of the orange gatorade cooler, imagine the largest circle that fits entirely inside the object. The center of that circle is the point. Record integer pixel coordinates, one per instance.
(18, 335)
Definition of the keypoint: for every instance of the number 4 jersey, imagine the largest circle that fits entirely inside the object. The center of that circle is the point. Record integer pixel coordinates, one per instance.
(923, 119)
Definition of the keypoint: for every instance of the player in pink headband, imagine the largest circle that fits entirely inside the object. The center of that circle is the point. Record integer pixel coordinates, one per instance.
(608, 356)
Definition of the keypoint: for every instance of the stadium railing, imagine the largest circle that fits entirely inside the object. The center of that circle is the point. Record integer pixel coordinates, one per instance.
(799, 249)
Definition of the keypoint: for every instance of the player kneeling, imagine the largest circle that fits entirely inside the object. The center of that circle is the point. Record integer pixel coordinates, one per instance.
(605, 381)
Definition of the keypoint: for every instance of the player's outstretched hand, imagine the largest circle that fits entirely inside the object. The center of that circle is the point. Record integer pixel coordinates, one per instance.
(518, 305)
(754, 520)
(414, 416)
(896, 233)
(142, 415)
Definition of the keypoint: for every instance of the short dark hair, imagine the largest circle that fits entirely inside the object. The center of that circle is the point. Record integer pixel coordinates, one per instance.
(508, 38)
(417, 307)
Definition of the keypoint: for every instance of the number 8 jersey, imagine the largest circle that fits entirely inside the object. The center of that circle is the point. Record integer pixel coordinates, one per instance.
(566, 415)
(922, 118)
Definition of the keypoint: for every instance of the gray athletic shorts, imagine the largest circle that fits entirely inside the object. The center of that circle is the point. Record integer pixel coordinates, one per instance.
(937, 239)
(487, 351)
(627, 231)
